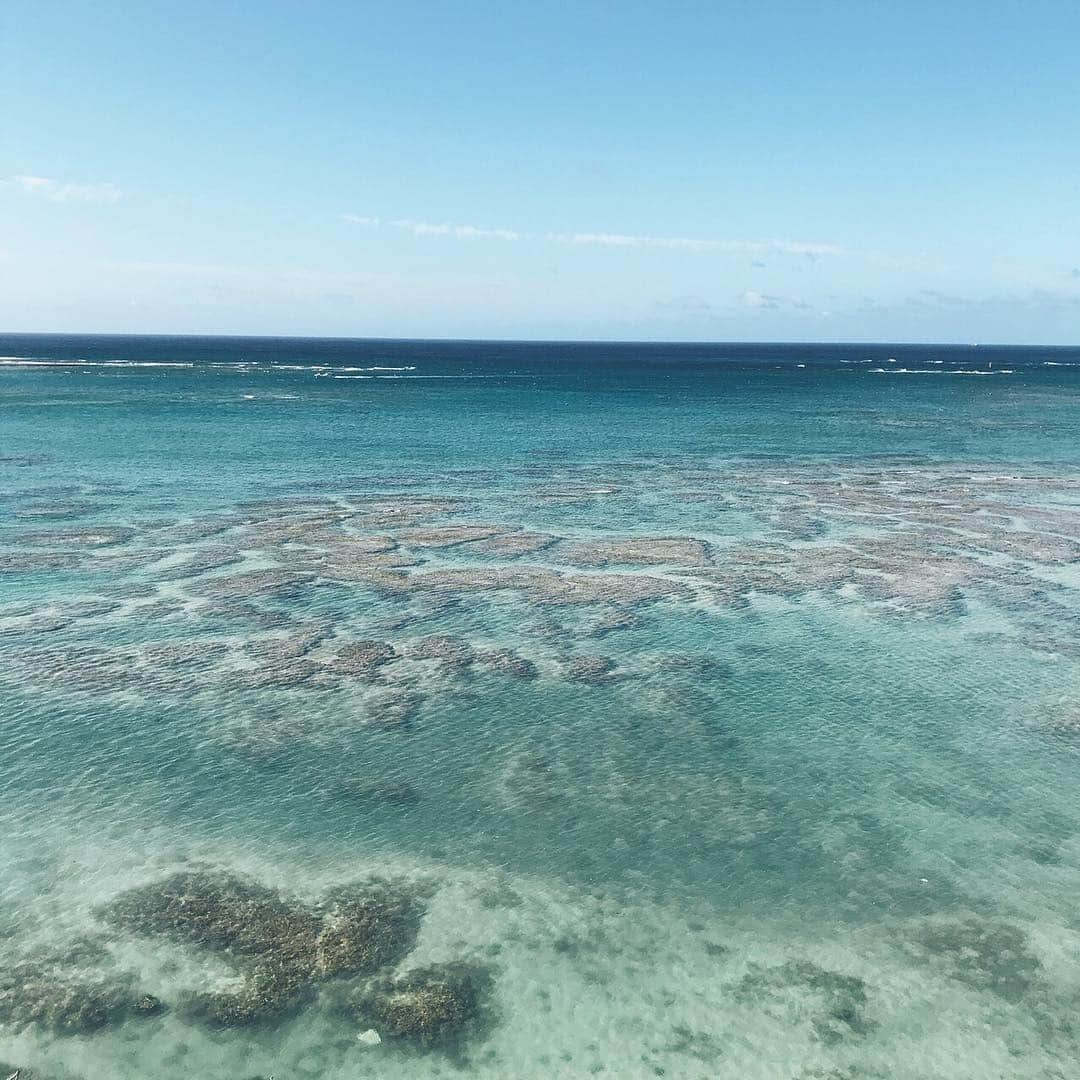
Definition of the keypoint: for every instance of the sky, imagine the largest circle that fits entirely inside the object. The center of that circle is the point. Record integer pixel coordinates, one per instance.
(826, 171)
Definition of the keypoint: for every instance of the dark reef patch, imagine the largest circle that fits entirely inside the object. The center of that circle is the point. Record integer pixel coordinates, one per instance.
(984, 954)
(833, 1004)
(60, 994)
(281, 948)
(437, 1007)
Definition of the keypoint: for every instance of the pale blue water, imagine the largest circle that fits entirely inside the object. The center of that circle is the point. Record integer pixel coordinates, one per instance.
(777, 780)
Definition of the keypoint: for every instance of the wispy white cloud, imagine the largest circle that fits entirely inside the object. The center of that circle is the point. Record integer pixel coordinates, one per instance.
(436, 228)
(624, 240)
(688, 243)
(60, 191)
(751, 298)
(754, 248)
(461, 232)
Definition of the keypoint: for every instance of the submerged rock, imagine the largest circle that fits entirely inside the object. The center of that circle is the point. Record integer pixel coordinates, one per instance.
(67, 1001)
(390, 710)
(1062, 719)
(452, 651)
(282, 674)
(91, 607)
(507, 662)
(636, 550)
(200, 561)
(530, 780)
(362, 659)
(511, 545)
(833, 1003)
(281, 948)
(56, 511)
(267, 996)
(589, 669)
(77, 536)
(184, 654)
(300, 641)
(366, 927)
(438, 536)
(254, 583)
(85, 668)
(433, 1007)
(544, 586)
(984, 954)
(220, 913)
(611, 623)
(27, 562)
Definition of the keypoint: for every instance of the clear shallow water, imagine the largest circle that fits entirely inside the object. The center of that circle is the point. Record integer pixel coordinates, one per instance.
(716, 705)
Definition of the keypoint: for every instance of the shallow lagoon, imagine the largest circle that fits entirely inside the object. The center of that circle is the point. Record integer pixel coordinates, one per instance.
(712, 715)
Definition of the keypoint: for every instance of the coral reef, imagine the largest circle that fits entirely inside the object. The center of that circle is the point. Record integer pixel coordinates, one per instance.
(589, 669)
(281, 948)
(984, 954)
(637, 550)
(92, 536)
(434, 1007)
(61, 994)
(834, 1004)
(453, 652)
(506, 662)
(362, 659)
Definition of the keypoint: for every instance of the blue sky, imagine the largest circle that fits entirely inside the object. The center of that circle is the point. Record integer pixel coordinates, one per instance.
(736, 171)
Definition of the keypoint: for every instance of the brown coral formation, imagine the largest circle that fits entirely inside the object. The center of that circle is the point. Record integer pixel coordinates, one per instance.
(66, 993)
(281, 948)
(432, 1007)
(641, 551)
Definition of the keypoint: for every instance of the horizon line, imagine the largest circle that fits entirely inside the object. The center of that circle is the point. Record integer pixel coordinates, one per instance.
(239, 335)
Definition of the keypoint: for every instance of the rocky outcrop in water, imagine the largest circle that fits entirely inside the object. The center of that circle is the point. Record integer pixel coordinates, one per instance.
(833, 1004)
(984, 954)
(280, 947)
(506, 662)
(433, 1007)
(70, 994)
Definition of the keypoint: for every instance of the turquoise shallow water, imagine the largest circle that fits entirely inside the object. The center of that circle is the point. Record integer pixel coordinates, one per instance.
(700, 710)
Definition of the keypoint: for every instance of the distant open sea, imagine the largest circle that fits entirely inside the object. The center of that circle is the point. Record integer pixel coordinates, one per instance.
(411, 709)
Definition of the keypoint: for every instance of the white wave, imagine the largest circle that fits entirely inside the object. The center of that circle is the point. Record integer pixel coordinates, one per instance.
(230, 365)
(319, 369)
(506, 376)
(24, 361)
(328, 367)
(937, 371)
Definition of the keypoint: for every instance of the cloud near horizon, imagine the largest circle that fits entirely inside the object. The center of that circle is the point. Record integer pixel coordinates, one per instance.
(751, 298)
(602, 239)
(60, 191)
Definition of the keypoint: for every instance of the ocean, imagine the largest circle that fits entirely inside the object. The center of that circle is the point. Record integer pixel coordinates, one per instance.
(408, 709)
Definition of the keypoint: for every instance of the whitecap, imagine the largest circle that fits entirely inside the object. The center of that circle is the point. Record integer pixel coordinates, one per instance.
(934, 371)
